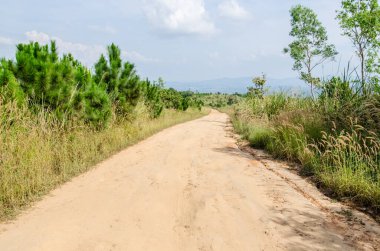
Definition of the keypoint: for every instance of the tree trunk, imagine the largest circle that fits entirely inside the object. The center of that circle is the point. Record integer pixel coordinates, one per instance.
(362, 71)
(310, 79)
(312, 91)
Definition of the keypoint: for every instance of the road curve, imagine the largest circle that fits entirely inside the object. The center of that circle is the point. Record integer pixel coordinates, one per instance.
(188, 187)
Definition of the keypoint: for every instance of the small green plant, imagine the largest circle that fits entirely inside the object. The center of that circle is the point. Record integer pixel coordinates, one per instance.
(152, 97)
(258, 90)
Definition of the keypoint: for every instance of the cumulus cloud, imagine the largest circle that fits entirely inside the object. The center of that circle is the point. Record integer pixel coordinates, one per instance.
(180, 17)
(87, 54)
(135, 56)
(232, 9)
(6, 41)
(36, 36)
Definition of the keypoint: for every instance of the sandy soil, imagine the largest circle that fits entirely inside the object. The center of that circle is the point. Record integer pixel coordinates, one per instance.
(189, 187)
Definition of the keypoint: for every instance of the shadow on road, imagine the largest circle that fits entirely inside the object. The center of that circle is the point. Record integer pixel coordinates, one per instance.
(234, 152)
(303, 228)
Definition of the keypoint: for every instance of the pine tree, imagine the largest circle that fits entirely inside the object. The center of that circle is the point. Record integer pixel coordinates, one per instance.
(119, 80)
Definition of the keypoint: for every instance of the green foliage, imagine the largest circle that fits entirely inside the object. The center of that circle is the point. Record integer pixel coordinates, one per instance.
(258, 135)
(61, 85)
(367, 113)
(10, 88)
(337, 99)
(152, 97)
(46, 80)
(173, 99)
(218, 100)
(95, 105)
(337, 89)
(289, 142)
(342, 155)
(277, 104)
(258, 90)
(348, 163)
(334, 139)
(360, 21)
(310, 47)
(119, 79)
(61, 112)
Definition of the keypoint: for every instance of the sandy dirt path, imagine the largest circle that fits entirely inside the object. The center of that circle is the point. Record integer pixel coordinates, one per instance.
(188, 187)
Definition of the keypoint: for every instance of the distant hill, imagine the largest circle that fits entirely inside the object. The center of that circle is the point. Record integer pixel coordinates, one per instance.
(239, 85)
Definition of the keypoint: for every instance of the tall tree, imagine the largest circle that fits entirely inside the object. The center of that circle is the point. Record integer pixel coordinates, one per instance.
(119, 79)
(360, 21)
(310, 47)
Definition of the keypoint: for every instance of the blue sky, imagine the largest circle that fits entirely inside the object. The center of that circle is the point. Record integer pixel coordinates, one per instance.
(179, 40)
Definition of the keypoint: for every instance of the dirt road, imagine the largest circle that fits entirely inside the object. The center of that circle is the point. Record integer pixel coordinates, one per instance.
(189, 188)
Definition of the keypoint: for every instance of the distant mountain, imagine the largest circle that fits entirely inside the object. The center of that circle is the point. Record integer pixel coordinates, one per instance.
(239, 85)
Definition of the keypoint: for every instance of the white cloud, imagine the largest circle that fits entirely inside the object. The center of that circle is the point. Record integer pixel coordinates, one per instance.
(232, 9)
(6, 41)
(180, 17)
(104, 29)
(87, 54)
(39, 37)
(135, 56)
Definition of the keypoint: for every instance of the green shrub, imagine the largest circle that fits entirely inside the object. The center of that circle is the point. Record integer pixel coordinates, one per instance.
(10, 88)
(259, 136)
(274, 104)
(152, 97)
(172, 99)
(47, 80)
(119, 80)
(95, 105)
(60, 85)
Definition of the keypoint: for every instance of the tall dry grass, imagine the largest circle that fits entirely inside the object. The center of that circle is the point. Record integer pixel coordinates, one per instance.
(37, 152)
(348, 164)
(344, 159)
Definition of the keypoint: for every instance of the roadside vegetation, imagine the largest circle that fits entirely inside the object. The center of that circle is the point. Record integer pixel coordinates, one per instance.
(218, 100)
(333, 133)
(58, 118)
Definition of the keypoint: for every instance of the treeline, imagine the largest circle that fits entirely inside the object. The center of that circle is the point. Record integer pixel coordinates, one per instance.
(334, 133)
(219, 100)
(40, 79)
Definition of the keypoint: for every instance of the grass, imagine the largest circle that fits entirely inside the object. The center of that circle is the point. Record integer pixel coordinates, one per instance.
(257, 134)
(349, 165)
(37, 154)
(345, 161)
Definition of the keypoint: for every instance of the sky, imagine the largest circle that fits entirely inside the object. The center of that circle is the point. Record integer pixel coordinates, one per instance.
(178, 40)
